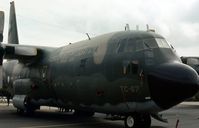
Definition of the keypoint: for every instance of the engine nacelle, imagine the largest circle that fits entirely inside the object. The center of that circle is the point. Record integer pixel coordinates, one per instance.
(22, 86)
(19, 101)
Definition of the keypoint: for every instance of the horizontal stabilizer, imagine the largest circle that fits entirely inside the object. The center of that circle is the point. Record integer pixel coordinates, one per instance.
(20, 50)
(24, 54)
(26, 51)
(1, 25)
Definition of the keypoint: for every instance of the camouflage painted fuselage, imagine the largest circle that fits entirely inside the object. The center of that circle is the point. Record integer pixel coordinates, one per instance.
(109, 74)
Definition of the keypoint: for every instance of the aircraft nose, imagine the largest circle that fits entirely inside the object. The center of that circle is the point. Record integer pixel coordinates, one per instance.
(172, 83)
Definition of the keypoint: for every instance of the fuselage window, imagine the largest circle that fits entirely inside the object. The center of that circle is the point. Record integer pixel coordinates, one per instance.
(83, 62)
(139, 45)
(130, 47)
(131, 68)
(126, 45)
(121, 45)
(134, 68)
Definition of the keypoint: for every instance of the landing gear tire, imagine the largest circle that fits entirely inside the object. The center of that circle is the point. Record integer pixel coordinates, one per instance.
(137, 121)
(20, 111)
(27, 111)
(129, 122)
(145, 120)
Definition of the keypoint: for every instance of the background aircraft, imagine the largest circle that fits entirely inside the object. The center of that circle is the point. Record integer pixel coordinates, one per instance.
(132, 74)
(191, 61)
(194, 63)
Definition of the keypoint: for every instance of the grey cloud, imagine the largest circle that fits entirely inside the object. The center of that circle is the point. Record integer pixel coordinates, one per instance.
(68, 21)
(192, 15)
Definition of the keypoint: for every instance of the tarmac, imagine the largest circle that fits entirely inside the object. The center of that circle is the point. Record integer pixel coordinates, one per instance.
(186, 114)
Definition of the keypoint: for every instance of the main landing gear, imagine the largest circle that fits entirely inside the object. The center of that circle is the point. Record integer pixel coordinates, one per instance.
(137, 121)
(26, 107)
(27, 111)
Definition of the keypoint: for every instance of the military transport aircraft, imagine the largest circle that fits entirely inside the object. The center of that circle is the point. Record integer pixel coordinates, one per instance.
(194, 63)
(132, 74)
(191, 61)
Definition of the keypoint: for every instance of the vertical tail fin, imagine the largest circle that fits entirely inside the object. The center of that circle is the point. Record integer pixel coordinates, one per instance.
(1, 50)
(12, 31)
(1, 25)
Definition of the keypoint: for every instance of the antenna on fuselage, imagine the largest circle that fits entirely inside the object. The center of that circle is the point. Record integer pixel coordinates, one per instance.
(127, 28)
(137, 27)
(88, 36)
(148, 29)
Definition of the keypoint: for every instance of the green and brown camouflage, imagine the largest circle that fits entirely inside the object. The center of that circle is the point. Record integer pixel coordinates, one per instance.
(127, 73)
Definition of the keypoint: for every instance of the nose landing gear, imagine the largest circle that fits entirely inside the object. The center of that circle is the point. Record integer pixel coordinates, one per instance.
(137, 121)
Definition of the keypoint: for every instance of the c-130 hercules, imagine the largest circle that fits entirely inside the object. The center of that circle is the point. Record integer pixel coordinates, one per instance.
(133, 74)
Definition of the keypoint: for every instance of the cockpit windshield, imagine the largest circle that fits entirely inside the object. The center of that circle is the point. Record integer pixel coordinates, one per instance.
(155, 43)
(162, 43)
(149, 43)
(131, 45)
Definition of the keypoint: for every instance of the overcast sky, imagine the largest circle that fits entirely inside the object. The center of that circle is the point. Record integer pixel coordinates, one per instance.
(59, 22)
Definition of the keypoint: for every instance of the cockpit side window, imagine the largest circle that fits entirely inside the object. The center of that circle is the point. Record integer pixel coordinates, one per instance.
(121, 45)
(139, 45)
(130, 45)
(126, 45)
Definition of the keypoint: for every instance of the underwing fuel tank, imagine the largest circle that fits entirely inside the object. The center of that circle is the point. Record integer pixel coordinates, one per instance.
(172, 83)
